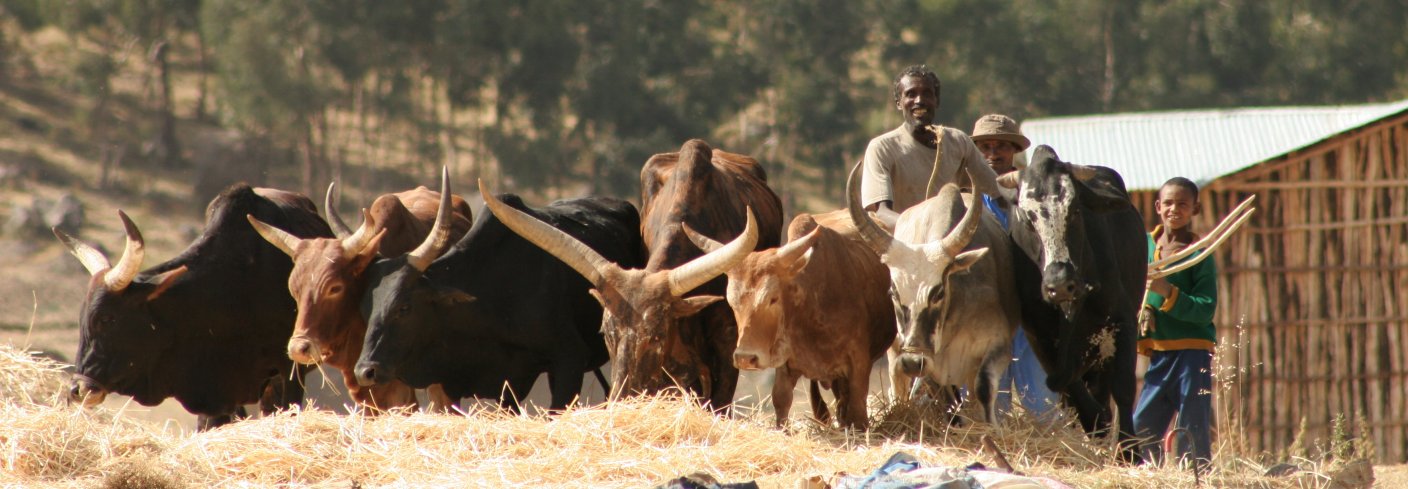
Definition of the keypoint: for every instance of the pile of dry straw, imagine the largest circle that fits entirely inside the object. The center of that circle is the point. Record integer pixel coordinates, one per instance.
(629, 443)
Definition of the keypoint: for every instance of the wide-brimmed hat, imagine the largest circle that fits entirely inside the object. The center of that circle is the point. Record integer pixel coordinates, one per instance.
(999, 127)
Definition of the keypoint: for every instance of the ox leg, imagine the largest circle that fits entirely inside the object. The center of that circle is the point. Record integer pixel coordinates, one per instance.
(899, 382)
(725, 373)
(516, 389)
(851, 402)
(1122, 388)
(565, 383)
(207, 423)
(987, 384)
(565, 372)
(282, 393)
(1088, 408)
(437, 400)
(819, 410)
(950, 397)
(783, 382)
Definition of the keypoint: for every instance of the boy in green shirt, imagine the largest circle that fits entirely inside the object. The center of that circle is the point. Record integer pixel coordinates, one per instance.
(1180, 340)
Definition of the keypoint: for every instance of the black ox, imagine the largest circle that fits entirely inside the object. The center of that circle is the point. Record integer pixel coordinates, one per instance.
(495, 309)
(207, 327)
(1080, 266)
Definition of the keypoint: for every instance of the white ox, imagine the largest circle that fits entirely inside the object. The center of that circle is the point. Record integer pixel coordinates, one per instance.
(953, 290)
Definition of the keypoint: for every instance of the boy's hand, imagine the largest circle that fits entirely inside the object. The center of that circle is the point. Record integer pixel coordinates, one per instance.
(1146, 320)
(1160, 286)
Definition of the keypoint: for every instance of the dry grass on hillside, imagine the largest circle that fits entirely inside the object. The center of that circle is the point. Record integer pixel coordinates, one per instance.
(631, 443)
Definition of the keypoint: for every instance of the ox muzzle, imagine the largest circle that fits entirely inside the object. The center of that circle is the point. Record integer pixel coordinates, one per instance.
(1062, 286)
(746, 360)
(86, 392)
(371, 373)
(304, 350)
(913, 362)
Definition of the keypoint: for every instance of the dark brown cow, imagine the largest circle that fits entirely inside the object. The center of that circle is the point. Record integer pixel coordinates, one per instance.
(817, 307)
(328, 279)
(662, 324)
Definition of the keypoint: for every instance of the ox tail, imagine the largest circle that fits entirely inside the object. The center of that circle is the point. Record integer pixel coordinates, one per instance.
(819, 409)
(600, 377)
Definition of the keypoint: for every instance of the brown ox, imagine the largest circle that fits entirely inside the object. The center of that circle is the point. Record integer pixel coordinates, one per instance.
(662, 324)
(327, 282)
(817, 307)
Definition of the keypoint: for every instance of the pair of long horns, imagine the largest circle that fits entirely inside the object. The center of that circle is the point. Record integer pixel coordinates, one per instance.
(356, 242)
(880, 240)
(352, 241)
(787, 252)
(1229, 225)
(595, 268)
(115, 277)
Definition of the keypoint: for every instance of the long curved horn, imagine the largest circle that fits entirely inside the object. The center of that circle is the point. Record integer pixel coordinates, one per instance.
(572, 252)
(92, 259)
(687, 277)
(873, 235)
(339, 228)
(127, 267)
(703, 242)
(962, 234)
(794, 249)
(439, 236)
(358, 240)
(1233, 220)
(1012, 179)
(1210, 247)
(279, 238)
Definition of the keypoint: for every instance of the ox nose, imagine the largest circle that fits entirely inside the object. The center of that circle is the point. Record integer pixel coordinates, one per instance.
(1059, 283)
(370, 373)
(746, 361)
(302, 350)
(1061, 292)
(912, 365)
(86, 393)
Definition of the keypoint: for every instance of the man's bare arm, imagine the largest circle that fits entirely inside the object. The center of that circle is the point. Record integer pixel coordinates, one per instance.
(885, 213)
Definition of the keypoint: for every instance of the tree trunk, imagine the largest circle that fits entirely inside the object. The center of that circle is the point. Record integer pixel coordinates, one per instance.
(1107, 89)
(169, 143)
(309, 150)
(204, 75)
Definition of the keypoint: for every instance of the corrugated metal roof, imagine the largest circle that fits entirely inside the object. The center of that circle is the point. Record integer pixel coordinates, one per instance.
(1202, 145)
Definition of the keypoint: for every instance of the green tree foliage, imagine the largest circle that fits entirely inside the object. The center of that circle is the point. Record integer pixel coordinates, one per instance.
(574, 96)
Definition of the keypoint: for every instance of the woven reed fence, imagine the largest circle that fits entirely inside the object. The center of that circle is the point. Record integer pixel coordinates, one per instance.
(1313, 292)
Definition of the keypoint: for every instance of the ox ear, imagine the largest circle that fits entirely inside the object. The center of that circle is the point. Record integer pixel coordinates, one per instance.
(1102, 189)
(596, 294)
(449, 296)
(690, 306)
(967, 259)
(801, 262)
(368, 252)
(164, 281)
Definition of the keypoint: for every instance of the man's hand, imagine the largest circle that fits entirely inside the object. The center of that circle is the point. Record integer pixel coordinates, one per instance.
(1161, 286)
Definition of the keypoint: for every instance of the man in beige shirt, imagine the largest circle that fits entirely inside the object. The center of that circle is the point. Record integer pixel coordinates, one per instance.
(899, 164)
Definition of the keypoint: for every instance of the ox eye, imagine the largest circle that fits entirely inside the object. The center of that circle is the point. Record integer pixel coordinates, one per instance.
(936, 294)
(335, 290)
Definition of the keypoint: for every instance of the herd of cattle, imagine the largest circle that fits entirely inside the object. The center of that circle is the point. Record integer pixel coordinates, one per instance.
(684, 292)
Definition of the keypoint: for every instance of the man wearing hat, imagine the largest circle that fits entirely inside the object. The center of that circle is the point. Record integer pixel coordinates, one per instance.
(999, 139)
